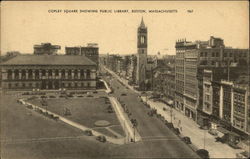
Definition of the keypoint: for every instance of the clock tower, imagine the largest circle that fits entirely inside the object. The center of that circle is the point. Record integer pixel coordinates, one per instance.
(142, 42)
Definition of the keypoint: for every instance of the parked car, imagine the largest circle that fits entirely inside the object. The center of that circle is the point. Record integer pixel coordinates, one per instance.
(88, 132)
(187, 140)
(213, 132)
(101, 138)
(204, 154)
(243, 154)
(123, 94)
(177, 131)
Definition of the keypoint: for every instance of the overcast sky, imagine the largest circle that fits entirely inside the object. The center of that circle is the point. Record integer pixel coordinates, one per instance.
(24, 24)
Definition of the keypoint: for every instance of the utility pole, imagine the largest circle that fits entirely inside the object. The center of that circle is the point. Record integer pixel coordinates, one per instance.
(204, 138)
(228, 70)
(171, 113)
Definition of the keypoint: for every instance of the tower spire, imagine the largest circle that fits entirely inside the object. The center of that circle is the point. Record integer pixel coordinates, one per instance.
(142, 23)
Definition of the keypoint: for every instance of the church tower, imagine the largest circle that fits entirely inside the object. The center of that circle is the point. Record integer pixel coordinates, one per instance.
(142, 40)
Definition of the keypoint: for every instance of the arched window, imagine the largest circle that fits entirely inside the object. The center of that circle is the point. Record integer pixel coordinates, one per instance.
(9, 74)
(142, 39)
(37, 74)
(43, 72)
(23, 74)
(30, 74)
(50, 72)
(16, 72)
(56, 73)
(63, 74)
(69, 74)
(75, 74)
(88, 73)
(82, 74)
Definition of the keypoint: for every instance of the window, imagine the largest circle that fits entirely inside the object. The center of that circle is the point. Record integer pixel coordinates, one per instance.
(217, 54)
(142, 39)
(201, 54)
(205, 54)
(88, 73)
(23, 85)
(56, 72)
(225, 54)
(212, 54)
(43, 73)
(213, 62)
(9, 85)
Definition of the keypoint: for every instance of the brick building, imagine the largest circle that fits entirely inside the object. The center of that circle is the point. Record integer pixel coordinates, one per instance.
(91, 51)
(46, 48)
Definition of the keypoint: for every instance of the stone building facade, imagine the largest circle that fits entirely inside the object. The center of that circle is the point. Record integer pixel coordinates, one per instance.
(191, 59)
(48, 72)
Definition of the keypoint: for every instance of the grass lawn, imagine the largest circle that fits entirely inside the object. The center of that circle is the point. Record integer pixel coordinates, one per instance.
(118, 129)
(105, 131)
(17, 125)
(85, 111)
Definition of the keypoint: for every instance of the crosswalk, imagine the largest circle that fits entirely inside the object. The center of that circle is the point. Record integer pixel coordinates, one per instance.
(157, 138)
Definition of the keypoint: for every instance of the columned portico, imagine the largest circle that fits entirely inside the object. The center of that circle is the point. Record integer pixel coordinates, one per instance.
(23, 76)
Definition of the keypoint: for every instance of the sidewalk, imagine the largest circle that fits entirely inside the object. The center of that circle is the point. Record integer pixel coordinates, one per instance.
(191, 129)
(125, 121)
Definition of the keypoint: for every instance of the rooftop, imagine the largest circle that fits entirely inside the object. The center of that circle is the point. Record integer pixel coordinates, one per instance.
(49, 60)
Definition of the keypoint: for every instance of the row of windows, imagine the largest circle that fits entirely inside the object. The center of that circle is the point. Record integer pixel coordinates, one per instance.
(239, 108)
(225, 54)
(50, 72)
(37, 85)
(206, 54)
(239, 97)
(36, 74)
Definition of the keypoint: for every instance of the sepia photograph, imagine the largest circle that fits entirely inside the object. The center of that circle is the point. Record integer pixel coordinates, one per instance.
(124, 79)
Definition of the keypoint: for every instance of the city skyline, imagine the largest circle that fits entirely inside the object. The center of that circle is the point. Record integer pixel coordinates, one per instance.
(30, 23)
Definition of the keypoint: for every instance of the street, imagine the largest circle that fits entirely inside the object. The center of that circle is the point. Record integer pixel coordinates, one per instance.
(152, 130)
